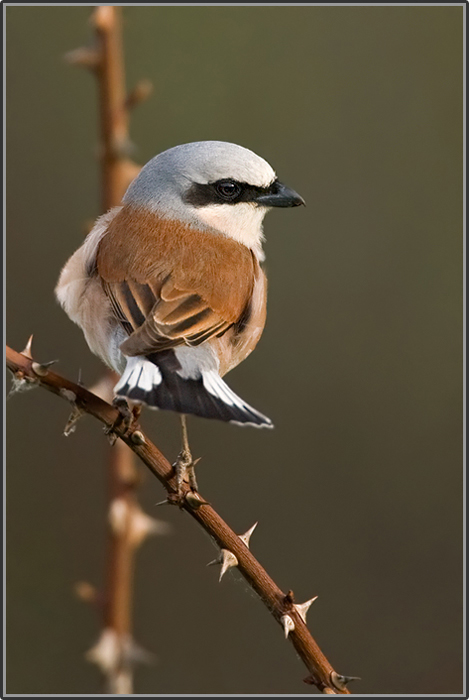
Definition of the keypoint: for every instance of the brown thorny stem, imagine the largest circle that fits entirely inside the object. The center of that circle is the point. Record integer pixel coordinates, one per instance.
(234, 548)
(115, 651)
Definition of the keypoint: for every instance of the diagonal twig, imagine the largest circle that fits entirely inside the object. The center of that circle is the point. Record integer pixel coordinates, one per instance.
(288, 614)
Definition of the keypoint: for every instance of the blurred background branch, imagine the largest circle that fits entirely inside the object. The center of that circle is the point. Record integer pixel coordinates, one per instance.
(116, 652)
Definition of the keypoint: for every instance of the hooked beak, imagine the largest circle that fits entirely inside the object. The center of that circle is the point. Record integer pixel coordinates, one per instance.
(280, 196)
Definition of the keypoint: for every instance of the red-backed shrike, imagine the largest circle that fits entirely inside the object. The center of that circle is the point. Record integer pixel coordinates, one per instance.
(168, 288)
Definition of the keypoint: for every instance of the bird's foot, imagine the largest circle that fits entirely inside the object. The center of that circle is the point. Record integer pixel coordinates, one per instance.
(184, 467)
(125, 420)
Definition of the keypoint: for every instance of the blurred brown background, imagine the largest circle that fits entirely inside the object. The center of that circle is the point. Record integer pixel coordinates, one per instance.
(358, 490)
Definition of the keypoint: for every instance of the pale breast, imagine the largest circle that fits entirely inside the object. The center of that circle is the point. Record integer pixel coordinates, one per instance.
(241, 339)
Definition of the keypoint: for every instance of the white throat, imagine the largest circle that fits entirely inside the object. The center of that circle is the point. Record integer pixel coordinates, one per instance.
(242, 222)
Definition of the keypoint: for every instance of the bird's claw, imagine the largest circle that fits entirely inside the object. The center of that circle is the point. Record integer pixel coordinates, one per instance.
(125, 420)
(184, 467)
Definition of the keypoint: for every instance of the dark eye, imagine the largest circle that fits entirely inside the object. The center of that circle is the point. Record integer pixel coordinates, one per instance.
(228, 189)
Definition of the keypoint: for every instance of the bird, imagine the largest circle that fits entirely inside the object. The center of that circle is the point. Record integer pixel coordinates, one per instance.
(169, 287)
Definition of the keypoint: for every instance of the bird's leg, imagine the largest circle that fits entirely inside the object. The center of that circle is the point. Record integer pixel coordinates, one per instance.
(184, 464)
(120, 402)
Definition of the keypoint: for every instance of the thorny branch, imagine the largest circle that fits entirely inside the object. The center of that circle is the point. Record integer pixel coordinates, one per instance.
(234, 549)
(116, 650)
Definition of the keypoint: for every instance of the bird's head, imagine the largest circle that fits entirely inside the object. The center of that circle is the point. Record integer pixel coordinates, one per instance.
(215, 185)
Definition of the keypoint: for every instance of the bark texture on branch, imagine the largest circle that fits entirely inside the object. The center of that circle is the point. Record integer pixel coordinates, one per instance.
(234, 548)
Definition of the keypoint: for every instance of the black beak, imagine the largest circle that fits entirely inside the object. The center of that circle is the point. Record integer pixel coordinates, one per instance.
(280, 196)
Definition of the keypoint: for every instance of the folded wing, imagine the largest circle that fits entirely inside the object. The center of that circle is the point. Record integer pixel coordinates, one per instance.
(172, 285)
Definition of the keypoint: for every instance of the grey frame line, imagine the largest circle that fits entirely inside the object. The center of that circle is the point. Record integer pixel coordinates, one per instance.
(464, 247)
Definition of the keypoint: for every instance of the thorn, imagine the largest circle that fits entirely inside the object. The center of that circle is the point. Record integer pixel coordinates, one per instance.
(247, 535)
(118, 511)
(194, 500)
(27, 351)
(72, 421)
(288, 624)
(79, 380)
(85, 57)
(142, 525)
(42, 369)
(340, 682)
(138, 438)
(302, 608)
(133, 653)
(172, 499)
(139, 94)
(228, 560)
(214, 561)
(105, 653)
(349, 679)
(85, 592)
(117, 653)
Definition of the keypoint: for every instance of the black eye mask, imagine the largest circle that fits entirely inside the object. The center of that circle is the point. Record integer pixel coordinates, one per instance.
(228, 191)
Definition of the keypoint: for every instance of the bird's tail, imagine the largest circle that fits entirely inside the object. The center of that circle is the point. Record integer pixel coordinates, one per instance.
(208, 396)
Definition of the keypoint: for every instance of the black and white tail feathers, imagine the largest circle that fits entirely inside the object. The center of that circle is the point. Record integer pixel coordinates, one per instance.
(209, 396)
